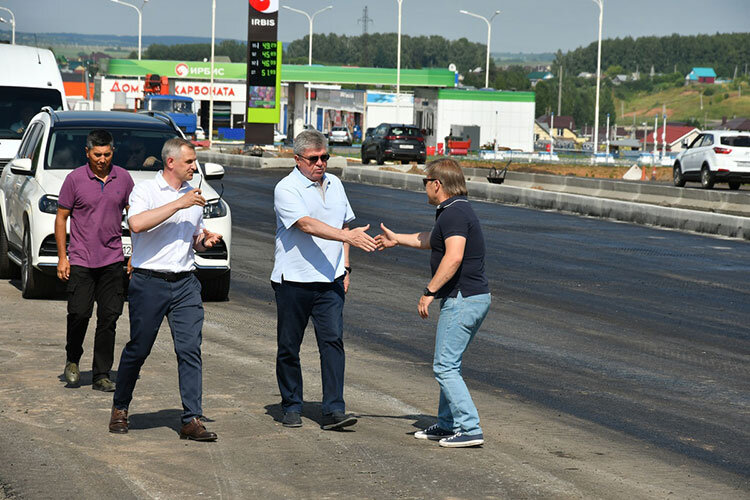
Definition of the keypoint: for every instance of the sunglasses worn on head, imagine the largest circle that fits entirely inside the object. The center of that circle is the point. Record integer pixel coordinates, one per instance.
(427, 179)
(314, 159)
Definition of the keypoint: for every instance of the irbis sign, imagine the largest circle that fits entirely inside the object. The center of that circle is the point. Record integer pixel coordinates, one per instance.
(263, 71)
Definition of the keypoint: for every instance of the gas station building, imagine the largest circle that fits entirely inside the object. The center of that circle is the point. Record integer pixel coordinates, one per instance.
(433, 102)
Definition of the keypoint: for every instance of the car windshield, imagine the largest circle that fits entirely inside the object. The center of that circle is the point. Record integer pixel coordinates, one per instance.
(18, 105)
(409, 131)
(740, 141)
(132, 148)
(171, 106)
(339, 129)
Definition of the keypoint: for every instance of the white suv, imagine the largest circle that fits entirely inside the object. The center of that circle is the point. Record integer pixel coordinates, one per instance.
(715, 156)
(52, 146)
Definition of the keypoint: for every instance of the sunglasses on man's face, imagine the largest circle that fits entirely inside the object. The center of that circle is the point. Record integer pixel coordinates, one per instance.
(314, 159)
(427, 179)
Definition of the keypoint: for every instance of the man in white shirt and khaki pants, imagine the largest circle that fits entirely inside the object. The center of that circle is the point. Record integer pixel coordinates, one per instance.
(166, 225)
(311, 275)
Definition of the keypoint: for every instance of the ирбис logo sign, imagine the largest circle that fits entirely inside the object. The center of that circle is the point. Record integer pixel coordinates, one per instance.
(265, 6)
(182, 69)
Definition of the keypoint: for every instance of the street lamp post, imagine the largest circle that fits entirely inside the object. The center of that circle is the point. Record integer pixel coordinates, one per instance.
(140, 19)
(211, 84)
(12, 23)
(398, 65)
(310, 19)
(600, 3)
(489, 32)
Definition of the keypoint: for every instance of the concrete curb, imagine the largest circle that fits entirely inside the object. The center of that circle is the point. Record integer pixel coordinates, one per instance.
(675, 218)
(246, 161)
(731, 203)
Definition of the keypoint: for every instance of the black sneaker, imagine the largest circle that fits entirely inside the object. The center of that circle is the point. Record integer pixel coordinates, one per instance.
(459, 440)
(291, 419)
(337, 420)
(433, 433)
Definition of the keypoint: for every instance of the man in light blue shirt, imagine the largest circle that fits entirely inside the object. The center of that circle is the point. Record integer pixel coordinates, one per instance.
(311, 276)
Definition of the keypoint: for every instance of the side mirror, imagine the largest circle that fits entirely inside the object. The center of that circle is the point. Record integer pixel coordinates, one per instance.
(684, 144)
(214, 171)
(21, 166)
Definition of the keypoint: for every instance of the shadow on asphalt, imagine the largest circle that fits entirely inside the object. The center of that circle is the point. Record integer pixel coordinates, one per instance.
(312, 410)
(169, 418)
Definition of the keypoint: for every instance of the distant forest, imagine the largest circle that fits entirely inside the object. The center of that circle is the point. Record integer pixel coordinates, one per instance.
(668, 54)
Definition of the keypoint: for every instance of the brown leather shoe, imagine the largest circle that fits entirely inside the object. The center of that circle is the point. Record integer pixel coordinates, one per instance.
(196, 431)
(118, 422)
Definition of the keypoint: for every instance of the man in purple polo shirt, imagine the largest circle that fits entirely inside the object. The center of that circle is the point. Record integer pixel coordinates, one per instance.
(93, 196)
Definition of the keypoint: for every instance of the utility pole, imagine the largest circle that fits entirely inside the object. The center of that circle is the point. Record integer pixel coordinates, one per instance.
(559, 93)
(365, 20)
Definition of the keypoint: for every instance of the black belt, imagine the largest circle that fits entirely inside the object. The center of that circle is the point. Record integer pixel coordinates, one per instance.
(164, 276)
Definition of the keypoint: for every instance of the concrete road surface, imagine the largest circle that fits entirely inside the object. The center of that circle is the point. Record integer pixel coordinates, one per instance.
(613, 364)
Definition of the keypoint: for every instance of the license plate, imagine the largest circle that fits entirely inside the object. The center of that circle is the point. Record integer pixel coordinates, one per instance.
(406, 146)
(127, 250)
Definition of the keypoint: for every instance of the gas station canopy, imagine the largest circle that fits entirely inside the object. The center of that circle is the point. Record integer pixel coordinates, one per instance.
(289, 73)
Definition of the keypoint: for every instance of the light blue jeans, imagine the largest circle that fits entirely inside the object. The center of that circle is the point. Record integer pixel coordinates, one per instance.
(460, 319)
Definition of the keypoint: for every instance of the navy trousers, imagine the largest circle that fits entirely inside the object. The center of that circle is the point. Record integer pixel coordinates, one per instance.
(151, 299)
(296, 303)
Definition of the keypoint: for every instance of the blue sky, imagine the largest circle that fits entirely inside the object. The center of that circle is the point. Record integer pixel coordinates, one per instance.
(523, 25)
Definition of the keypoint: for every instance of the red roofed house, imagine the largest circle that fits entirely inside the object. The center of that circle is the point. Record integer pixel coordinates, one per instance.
(674, 137)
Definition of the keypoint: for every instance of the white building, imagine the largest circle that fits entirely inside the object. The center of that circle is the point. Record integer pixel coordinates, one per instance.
(492, 115)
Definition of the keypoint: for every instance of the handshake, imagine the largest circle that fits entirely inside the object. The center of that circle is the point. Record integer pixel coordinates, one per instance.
(359, 238)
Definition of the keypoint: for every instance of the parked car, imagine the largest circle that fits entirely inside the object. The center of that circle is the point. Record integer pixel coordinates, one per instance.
(340, 135)
(714, 156)
(200, 134)
(278, 136)
(391, 141)
(51, 148)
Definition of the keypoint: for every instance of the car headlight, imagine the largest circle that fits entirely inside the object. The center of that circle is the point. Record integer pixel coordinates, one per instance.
(48, 204)
(214, 209)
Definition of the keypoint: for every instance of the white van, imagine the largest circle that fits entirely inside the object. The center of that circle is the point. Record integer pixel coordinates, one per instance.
(29, 80)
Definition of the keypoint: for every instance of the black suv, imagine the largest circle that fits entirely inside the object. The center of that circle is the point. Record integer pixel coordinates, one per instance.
(393, 141)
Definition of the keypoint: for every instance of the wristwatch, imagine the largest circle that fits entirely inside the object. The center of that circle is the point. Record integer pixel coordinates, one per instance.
(428, 293)
(348, 269)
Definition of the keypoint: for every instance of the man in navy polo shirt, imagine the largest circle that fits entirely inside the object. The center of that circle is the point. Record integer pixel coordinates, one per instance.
(93, 196)
(459, 280)
(311, 275)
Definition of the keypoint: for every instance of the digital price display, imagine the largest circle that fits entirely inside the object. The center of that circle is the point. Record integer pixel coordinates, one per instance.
(264, 64)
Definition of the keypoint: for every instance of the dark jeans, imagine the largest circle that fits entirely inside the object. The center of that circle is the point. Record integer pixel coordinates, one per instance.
(295, 304)
(85, 285)
(151, 299)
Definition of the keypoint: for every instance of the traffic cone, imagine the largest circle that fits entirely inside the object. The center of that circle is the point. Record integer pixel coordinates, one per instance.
(643, 173)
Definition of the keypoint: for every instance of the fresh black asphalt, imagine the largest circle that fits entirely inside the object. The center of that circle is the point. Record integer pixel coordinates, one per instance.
(641, 330)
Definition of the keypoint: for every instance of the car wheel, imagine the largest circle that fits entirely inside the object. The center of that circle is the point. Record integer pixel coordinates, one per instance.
(379, 158)
(34, 284)
(7, 268)
(707, 178)
(733, 185)
(677, 177)
(216, 289)
(422, 160)
(365, 158)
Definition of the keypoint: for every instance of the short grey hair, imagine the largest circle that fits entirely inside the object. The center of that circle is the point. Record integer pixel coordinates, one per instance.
(173, 148)
(309, 139)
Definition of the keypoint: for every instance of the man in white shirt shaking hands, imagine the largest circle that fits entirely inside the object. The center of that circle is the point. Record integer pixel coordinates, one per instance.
(166, 224)
(311, 276)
